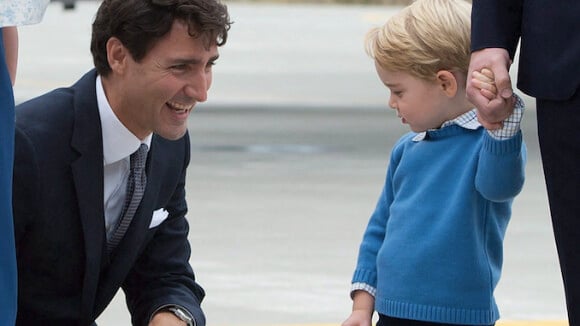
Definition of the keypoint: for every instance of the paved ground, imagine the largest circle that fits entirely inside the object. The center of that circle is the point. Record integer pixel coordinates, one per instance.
(288, 160)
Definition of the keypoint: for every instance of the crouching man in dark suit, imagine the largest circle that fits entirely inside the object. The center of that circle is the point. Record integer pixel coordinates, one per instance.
(89, 217)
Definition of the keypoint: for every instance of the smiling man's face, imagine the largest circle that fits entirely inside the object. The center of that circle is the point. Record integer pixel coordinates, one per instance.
(160, 90)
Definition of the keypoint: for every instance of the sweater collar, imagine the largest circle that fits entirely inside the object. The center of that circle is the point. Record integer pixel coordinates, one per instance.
(468, 120)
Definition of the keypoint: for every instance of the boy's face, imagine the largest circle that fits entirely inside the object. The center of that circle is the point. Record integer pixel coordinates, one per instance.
(419, 103)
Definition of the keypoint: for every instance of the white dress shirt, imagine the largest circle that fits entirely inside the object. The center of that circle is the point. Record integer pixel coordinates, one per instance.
(118, 144)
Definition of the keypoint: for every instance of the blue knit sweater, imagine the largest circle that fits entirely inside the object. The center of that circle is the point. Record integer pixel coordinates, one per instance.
(433, 246)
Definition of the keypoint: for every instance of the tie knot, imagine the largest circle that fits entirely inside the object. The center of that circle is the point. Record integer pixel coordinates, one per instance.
(139, 158)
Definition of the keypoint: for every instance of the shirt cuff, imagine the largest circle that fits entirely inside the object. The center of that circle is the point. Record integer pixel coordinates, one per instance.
(364, 287)
(511, 125)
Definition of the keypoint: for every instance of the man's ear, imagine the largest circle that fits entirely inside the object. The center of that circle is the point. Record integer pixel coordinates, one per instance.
(117, 55)
(447, 82)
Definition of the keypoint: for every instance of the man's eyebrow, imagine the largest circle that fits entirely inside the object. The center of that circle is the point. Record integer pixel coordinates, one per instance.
(193, 61)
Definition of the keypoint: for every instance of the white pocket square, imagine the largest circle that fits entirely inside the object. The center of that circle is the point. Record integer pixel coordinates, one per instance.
(158, 217)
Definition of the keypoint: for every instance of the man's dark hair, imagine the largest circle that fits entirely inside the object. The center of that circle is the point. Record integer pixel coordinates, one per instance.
(139, 24)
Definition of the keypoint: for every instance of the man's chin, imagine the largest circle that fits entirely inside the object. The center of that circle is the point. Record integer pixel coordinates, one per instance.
(172, 135)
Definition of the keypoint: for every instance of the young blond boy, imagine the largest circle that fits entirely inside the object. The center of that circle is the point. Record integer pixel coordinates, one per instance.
(432, 250)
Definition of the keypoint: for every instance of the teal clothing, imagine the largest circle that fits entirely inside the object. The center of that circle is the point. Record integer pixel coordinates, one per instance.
(433, 246)
(8, 286)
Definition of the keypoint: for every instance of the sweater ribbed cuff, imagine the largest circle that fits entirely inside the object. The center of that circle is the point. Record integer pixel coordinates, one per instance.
(501, 147)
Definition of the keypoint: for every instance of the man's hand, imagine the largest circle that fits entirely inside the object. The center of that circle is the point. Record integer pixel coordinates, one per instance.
(165, 318)
(492, 112)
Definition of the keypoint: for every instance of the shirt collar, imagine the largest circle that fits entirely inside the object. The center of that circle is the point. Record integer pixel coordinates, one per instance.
(118, 141)
(468, 120)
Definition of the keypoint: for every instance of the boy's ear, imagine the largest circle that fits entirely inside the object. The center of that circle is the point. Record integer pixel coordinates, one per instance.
(447, 82)
(116, 55)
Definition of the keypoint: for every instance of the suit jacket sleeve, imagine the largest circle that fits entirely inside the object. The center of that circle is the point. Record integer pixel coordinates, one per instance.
(496, 24)
(163, 276)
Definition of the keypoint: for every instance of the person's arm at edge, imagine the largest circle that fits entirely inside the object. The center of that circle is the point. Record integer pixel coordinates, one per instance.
(495, 32)
(10, 35)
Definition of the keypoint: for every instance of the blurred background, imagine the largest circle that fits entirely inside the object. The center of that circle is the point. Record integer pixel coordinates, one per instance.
(71, 4)
(288, 158)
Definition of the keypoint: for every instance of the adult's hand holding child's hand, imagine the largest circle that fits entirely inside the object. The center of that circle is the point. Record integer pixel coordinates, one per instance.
(491, 111)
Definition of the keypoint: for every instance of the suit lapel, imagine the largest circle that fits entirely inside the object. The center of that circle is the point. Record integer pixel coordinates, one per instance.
(100, 285)
(124, 256)
(88, 178)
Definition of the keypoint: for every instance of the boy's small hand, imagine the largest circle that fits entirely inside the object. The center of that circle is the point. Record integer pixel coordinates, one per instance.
(485, 82)
(362, 309)
(358, 318)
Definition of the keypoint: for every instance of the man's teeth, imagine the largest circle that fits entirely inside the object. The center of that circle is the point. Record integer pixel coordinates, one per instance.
(179, 107)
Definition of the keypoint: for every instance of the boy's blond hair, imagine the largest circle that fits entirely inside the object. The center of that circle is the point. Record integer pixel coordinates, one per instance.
(424, 38)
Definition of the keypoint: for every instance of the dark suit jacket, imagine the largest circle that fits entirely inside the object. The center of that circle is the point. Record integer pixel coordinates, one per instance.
(65, 275)
(550, 41)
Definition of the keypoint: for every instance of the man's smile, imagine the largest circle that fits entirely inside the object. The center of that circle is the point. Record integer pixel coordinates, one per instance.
(179, 107)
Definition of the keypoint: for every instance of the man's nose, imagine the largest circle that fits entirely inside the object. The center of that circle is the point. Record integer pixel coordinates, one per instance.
(198, 85)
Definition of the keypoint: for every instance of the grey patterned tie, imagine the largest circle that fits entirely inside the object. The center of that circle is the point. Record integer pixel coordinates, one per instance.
(135, 189)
